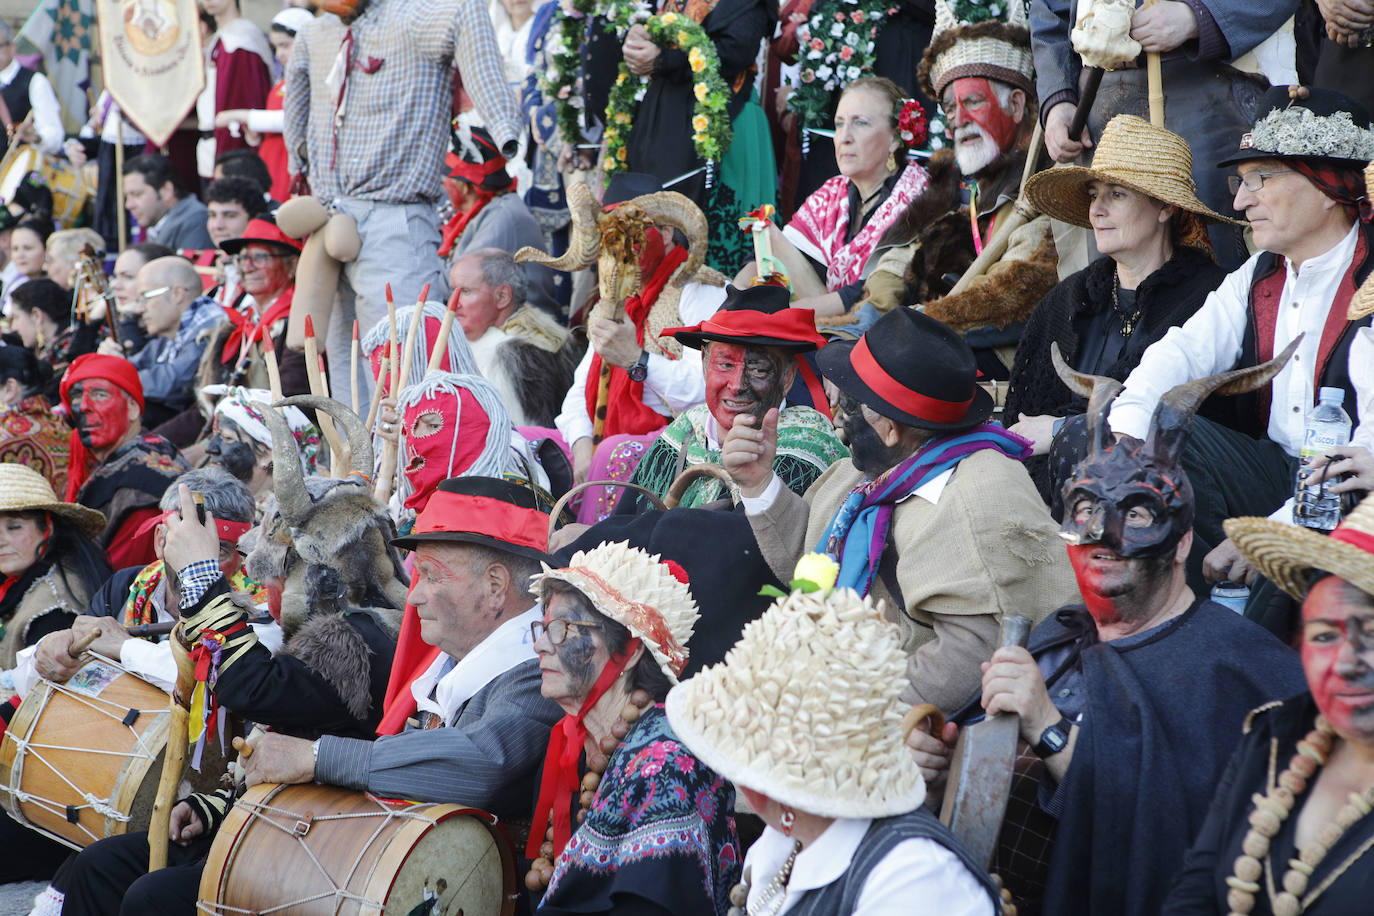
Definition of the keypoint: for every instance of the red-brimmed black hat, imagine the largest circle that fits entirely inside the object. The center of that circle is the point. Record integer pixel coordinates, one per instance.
(262, 232)
(482, 510)
(911, 368)
(756, 316)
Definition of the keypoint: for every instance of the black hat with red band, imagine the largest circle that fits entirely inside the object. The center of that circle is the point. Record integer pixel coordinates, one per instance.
(477, 161)
(486, 511)
(910, 368)
(756, 316)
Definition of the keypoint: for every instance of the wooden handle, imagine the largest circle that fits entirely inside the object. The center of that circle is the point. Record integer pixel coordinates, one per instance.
(1085, 102)
(81, 645)
(918, 714)
(678, 488)
(563, 500)
(174, 757)
(243, 747)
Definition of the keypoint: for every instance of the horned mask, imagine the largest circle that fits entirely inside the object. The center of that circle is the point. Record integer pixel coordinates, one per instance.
(1118, 478)
(614, 241)
(327, 540)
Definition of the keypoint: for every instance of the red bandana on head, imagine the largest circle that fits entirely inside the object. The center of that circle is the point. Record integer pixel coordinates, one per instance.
(449, 450)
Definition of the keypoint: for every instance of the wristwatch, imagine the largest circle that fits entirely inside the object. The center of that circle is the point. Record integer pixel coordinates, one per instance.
(1053, 739)
(640, 370)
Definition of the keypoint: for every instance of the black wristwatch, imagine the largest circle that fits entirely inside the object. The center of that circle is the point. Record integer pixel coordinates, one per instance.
(640, 370)
(1053, 739)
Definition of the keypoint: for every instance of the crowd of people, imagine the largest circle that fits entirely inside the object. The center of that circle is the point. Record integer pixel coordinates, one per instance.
(643, 422)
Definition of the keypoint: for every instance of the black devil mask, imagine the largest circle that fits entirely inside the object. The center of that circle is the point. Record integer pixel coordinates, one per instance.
(1132, 496)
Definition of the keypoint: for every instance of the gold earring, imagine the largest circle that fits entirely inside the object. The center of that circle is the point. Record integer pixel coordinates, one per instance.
(891, 161)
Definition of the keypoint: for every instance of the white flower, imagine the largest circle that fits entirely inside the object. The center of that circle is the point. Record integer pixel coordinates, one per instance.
(852, 40)
(836, 30)
(823, 72)
(852, 73)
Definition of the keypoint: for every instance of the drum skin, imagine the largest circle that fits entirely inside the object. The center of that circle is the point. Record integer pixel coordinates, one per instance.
(299, 846)
(70, 189)
(104, 757)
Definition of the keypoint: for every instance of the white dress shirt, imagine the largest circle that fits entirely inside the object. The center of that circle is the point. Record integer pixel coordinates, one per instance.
(672, 386)
(1210, 342)
(913, 870)
(47, 113)
(447, 684)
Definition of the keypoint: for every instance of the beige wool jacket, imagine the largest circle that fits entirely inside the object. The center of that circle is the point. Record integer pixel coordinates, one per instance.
(986, 547)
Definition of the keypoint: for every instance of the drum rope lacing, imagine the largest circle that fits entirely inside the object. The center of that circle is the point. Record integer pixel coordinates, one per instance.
(104, 807)
(261, 809)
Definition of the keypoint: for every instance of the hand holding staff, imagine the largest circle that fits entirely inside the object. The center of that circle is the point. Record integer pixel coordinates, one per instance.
(400, 373)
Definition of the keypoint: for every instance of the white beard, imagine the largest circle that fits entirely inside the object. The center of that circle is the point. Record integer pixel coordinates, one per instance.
(974, 157)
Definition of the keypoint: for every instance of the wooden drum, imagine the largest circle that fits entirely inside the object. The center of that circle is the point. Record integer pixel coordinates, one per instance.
(312, 849)
(81, 760)
(68, 184)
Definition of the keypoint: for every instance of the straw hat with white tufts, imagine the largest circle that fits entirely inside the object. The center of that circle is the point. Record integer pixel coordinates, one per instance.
(23, 489)
(1289, 556)
(637, 590)
(805, 709)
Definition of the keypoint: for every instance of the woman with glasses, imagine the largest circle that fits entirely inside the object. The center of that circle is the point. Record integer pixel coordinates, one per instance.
(647, 828)
(1155, 270)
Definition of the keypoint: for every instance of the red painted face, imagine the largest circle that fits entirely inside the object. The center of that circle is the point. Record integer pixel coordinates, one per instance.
(1117, 589)
(743, 379)
(1338, 655)
(101, 409)
(973, 99)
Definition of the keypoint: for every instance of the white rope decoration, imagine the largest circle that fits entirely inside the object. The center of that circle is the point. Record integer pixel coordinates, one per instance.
(24, 746)
(338, 892)
(458, 356)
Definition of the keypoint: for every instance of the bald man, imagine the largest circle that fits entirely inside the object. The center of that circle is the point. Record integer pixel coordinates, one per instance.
(174, 315)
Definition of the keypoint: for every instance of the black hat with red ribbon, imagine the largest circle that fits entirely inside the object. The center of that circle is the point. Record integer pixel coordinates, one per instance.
(476, 160)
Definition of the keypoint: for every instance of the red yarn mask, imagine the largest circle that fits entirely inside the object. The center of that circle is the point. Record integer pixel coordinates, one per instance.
(434, 454)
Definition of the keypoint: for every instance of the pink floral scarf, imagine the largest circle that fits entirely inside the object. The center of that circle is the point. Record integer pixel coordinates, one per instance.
(819, 226)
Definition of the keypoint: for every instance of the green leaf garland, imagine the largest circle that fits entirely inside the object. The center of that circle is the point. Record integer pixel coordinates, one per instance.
(711, 130)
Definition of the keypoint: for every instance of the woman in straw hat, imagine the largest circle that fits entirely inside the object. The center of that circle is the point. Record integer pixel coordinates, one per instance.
(49, 566)
(1156, 269)
(1291, 829)
(804, 716)
(654, 831)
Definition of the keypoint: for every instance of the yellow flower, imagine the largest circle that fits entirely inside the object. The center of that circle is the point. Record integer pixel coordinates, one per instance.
(668, 18)
(698, 62)
(621, 78)
(681, 37)
(611, 133)
(699, 90)
(699, 124)
(621, 154)
(698, 138)
(818, 568)
(622, 117)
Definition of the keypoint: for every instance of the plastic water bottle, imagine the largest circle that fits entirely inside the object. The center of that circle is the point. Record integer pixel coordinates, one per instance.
(1231, 595)
(1328, 427)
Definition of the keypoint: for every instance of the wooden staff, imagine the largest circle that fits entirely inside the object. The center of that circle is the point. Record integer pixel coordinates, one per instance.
(1021, 214)
(353, 362)
(441, 347)
(269, 356)
(1155, 78)
(175, 755)
(401, 372)
(312, 373)
(121, 218)
(382, 376)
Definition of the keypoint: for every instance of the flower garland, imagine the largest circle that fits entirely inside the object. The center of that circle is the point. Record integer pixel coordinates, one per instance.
(711, 131)
(837, 45)
(565, 60)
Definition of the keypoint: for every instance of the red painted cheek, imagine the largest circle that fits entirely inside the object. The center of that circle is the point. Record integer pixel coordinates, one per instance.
(720, 384)
(998, 123)
(1102, 607)
(274, 600)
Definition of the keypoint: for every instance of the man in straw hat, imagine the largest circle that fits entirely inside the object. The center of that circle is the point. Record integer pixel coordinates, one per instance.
(1132, 751)
(751, 357)
(1324, 738)
(116, 468)
(1207, 69)
(1301, 187)
(932, 511)
(811, 732)
(1155, 270)
(983, 77)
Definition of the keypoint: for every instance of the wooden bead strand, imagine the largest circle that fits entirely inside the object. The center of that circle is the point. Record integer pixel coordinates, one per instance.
(541, 869)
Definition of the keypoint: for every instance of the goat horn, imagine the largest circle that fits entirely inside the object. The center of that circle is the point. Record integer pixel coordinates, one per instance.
(1169, 425)
(359, 439)
(1100, 390)
(293, 502)
(585, 243)
(679, 212)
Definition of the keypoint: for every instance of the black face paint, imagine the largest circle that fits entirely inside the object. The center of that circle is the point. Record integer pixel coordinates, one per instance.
(577, 654)
(743, 380)
(871, 455)
(235, 457)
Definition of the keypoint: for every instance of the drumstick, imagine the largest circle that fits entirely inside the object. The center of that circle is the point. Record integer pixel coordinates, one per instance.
(81, 645)
(243, 747)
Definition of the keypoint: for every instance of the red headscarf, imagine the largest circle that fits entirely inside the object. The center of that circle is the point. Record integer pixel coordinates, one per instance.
(114, 369)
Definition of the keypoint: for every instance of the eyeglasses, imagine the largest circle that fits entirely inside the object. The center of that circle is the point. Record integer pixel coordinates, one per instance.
(152, 294)
(1252, 182)
(256, 258)
(557, 629)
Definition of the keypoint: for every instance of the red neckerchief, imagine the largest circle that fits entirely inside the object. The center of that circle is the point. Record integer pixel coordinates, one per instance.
(236, 346)
(560, 779)
(626, 411)
(455, 226)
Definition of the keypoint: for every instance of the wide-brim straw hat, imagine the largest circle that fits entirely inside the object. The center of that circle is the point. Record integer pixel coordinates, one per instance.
(1133, 153)
(23, 489)
(639, 591)
(1289, 555)
(806, 709)
(1362, 303)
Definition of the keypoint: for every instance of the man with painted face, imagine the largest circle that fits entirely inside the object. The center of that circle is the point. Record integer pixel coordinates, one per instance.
(1325, 818)
(932, 512)
(1099, 691)
(115, 467)
(751, 356)
(983, 77)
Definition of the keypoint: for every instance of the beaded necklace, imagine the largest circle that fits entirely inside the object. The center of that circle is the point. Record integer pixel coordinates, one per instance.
(772, 897)
(541, 869)
(1267, 818)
